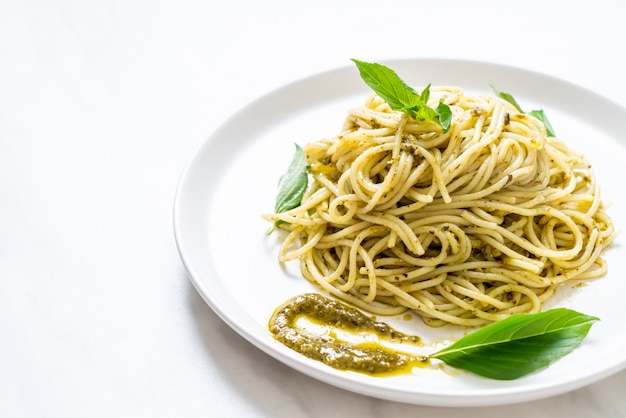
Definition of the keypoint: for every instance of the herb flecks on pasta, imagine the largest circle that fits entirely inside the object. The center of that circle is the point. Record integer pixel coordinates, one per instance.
(465, 227)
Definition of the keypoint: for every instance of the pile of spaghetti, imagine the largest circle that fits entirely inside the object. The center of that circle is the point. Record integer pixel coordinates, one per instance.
(464, 227)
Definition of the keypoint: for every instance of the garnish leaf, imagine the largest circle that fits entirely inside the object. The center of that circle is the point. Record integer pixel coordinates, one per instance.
(292, 184)
(445, 115)
(508, 97)
(518, 345)
(400, 96)
(538, 114)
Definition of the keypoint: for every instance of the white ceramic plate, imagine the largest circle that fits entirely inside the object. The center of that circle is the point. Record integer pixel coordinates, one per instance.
(232, 179)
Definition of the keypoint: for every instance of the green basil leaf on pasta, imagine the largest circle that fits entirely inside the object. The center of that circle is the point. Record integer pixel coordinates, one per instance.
(292, 184)
(445, 115)
(388, 85)
(518, 345)
(508, 97)
(538, 114)
(400, 96)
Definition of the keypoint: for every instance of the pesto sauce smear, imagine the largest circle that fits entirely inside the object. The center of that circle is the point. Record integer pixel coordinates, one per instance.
(369, 357)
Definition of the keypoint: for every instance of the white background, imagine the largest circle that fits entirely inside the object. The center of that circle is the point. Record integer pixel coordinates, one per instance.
(102, 104)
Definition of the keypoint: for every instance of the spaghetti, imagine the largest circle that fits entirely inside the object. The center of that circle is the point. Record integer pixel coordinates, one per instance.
(463, 227)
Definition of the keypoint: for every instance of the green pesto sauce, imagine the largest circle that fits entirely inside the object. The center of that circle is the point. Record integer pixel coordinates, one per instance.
(367, 357)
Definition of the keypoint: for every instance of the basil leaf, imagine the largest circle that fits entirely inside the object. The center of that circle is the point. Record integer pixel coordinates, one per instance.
(386, 83)
(445, 115)
(518, 345)
(292, 184)
(508, 97)
(400, 96)
(539, 114)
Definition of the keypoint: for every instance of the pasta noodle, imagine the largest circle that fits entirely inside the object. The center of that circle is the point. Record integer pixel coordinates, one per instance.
(463, 227)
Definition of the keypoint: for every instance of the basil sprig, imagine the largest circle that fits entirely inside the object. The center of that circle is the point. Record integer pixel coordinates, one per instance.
(400, 96)
(292, 185)
(518, 345)
(539, 114)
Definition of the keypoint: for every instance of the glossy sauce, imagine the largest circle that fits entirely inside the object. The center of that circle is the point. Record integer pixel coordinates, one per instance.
(369, 356)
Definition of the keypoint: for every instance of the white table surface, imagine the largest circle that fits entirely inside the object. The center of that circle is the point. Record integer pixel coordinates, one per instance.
(102, 104)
